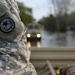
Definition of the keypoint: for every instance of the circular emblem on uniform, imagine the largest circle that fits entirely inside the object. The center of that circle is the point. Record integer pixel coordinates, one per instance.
(7, 25)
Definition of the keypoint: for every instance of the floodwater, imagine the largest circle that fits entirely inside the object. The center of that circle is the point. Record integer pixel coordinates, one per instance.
(53, 40)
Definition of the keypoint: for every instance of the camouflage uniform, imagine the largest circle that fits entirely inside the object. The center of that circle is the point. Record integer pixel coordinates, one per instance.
(14, 55)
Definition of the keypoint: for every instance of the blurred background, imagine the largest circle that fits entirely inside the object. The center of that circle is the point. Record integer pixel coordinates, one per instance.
(50, 34)
(56, 19)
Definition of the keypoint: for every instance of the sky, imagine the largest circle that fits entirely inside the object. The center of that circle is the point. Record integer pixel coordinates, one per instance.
(40, 7)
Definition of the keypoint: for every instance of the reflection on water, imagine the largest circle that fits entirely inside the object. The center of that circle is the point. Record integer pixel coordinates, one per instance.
(29, 44)
(34, 43)
(61, 40)
(52, 40)
(67, 39)
(38, 44)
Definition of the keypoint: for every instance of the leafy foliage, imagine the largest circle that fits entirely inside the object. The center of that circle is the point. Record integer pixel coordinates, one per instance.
(25, 13)
(59, 23)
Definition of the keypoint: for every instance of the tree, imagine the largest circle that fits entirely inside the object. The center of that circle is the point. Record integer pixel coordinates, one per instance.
(61, 9)
(61, 6)
(25, 13)
(71, 21)
(49, 23)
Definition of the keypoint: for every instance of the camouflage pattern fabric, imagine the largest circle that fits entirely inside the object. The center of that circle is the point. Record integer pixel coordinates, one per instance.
(12, 7)
(14, 56)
